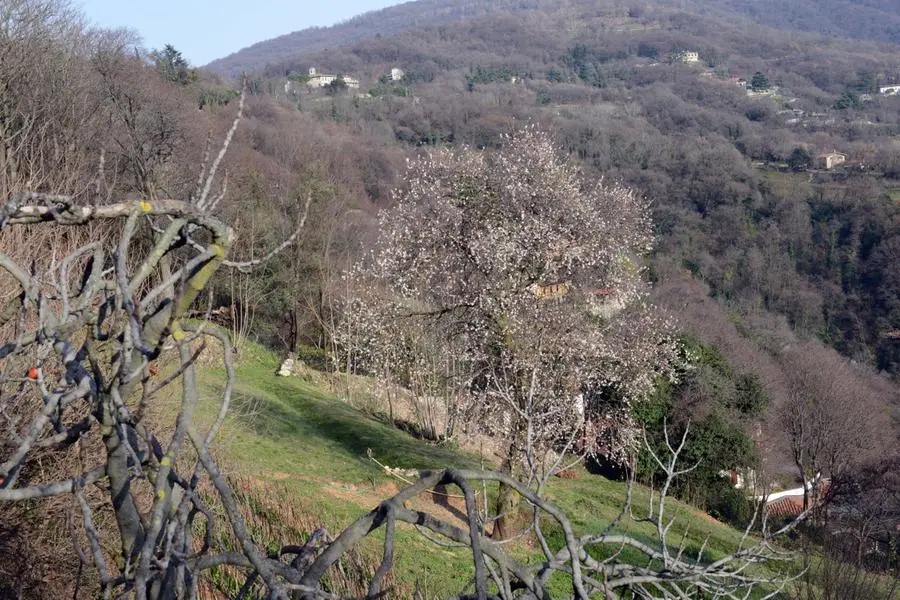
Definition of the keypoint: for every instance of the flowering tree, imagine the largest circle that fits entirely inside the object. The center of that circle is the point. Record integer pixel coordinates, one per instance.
(510, 279)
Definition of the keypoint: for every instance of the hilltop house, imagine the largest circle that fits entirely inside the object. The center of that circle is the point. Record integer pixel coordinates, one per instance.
(830, 160)
(397, 74)
(890, 90)
(320, 80)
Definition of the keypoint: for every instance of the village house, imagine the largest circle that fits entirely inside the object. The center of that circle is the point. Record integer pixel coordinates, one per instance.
(890, 90)
(320, 80)
(397, 74)
(830, 160)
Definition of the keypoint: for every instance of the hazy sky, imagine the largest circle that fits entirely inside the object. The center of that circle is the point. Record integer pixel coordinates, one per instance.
(208, 29)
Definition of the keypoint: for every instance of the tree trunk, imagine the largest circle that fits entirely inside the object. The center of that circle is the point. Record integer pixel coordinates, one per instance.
(507, 507)
(294, 337)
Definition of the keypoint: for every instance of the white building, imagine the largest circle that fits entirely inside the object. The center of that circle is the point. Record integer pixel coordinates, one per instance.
(890, 90)
(686, 56)
(397, 74)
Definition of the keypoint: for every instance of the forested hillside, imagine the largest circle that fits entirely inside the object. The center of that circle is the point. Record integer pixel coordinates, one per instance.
(876, 20)
(863, 19)
(733, 175)
(389, 21)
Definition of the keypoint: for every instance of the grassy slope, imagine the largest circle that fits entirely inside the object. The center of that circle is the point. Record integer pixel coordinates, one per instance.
(303, 454)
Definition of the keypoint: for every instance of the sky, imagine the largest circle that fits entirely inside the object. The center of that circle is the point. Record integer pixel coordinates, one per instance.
(204, 30)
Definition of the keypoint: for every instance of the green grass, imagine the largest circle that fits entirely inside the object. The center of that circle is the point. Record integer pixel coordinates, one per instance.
(789, 185)
(307, 450)
(289, 425)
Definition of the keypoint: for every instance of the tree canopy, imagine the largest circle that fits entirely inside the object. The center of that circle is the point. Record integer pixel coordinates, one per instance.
(173, 66)
(521, 284)
(759, 82)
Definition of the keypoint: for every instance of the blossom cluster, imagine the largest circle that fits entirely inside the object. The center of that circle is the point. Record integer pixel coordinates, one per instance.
(509, 279)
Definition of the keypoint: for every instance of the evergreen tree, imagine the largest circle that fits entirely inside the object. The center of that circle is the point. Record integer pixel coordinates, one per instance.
(759, 82)
(173, 66)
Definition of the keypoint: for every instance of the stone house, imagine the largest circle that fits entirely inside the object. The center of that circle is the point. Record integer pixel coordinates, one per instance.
(320, 80)
(830, 160)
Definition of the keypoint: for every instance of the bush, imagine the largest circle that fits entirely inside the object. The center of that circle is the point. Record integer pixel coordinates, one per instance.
(729, 504)
(317, 358)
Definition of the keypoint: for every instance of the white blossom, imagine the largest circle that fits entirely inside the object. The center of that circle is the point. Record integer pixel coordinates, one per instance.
(508, 279)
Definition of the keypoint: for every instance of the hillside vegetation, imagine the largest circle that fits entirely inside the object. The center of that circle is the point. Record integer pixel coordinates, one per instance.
(762, 253)
(742, 209)
(301, 456)
(863, 19)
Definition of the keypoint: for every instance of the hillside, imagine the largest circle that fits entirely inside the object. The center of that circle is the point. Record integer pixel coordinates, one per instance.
(877, 20)
(299, 454)
(863, 19)
(769, 259)
(732, 174)
(385, 22)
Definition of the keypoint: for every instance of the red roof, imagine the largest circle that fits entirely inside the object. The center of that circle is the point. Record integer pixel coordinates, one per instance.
(792, 506)
(789, 506)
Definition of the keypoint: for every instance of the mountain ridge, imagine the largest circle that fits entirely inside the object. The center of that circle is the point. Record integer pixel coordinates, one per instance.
(369, 25)
(873, 20)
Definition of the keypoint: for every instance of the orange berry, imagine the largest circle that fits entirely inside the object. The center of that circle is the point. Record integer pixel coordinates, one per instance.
(33, 373)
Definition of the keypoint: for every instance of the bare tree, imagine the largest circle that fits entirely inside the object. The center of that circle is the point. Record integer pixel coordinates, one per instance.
(48, 115)
(512, 281)
(86, 330)
(831, 416)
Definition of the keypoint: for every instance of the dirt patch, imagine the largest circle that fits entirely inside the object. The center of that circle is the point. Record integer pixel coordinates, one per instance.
(446, 504)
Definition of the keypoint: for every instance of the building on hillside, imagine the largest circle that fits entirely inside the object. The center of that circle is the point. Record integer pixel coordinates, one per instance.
(686, 57)
(606, 302)
(397, 74)
(320, 80)
(789, 503)
(890, 90)
(830, 160)
(553, 290)
(742, 478)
